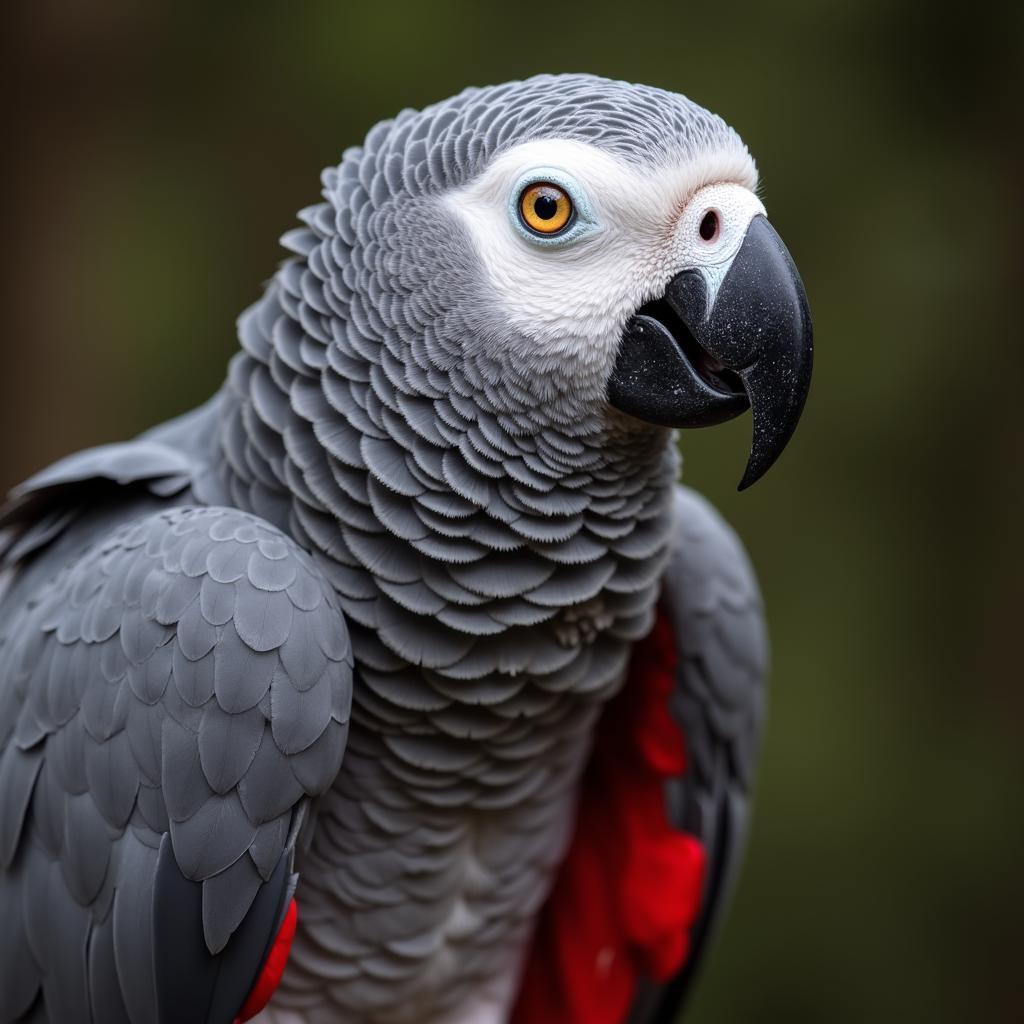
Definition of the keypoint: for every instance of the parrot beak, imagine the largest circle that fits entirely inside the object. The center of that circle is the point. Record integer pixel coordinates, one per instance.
(681, 364)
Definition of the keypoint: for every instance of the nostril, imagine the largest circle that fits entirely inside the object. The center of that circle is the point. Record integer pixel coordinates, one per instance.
(709, 226)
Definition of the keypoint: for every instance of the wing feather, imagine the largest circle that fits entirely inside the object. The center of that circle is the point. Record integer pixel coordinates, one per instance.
(160, 688)
(711, 597)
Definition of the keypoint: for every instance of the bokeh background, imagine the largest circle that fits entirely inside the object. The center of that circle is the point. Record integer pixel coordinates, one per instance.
(154, 153)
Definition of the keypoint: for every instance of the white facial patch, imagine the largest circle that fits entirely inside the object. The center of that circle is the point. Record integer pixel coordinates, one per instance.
(643, 228)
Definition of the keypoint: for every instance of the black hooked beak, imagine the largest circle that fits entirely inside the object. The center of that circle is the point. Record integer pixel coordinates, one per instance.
(678, 367)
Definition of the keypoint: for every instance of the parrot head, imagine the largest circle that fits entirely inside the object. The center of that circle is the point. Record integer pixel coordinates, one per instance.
(580, 251)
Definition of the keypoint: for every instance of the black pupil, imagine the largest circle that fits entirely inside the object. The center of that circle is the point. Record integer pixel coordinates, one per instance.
(709, 225)
(545, 206)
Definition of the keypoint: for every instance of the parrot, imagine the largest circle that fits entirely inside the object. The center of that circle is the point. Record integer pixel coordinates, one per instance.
(402, 682)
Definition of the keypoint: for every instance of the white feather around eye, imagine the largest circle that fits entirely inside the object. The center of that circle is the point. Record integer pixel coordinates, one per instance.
(643, 229)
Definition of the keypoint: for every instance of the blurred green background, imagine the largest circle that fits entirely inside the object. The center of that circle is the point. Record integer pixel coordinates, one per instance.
(156, 151)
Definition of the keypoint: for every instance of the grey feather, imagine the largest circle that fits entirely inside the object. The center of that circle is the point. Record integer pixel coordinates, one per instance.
(228, 744)
(133, 925)
(268, 788)
(118, 463)
(149, 680)
(65, 985)
(299, 716)
(227, 897)
(66, 755)
(105, 999)
(184, 785)
(194, 678)
(311, 765)
(270, 838)
(87, 835)
(212, 838)
(262, 620)
(18, 771)
(20, 976)
(242, 675)
(113, 777)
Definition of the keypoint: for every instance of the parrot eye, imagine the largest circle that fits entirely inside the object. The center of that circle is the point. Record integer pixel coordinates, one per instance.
(545, 208)
(549, 208)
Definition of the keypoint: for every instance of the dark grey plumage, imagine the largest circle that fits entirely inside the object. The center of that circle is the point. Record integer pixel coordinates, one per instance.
(136, 715)
(389, 462)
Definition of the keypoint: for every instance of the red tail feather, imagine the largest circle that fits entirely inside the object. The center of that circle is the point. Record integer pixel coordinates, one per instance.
(273, 968)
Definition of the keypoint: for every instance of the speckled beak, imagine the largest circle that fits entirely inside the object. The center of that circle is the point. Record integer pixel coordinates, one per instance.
(682, 365)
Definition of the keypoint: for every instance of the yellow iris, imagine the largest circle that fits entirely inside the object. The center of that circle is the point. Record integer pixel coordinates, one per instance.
(545, 208)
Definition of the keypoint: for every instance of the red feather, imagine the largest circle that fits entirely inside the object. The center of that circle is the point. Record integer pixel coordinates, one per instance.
(630, 887)
(273, 968)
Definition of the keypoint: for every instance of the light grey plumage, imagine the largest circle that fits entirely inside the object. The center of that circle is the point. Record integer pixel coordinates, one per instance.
(395, 477)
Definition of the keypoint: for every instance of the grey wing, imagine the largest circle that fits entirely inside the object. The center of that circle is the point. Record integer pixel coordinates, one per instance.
(711, 597)
(170, 699)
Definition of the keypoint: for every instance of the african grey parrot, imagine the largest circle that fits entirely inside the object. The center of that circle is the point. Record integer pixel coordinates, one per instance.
(406, 649)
